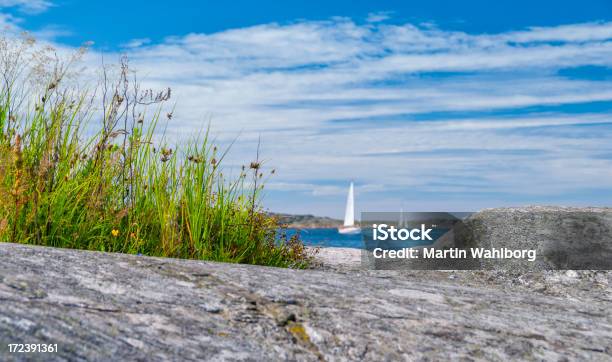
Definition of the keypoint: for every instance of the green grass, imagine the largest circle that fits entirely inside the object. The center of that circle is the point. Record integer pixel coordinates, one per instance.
(76, 176)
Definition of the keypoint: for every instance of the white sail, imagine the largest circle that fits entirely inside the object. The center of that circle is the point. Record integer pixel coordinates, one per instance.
(349, 214)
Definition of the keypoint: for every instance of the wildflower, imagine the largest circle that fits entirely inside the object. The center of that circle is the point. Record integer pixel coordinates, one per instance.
(213, 162)
(255, 165)
(166, 153)
(115, 232)
(195, 159)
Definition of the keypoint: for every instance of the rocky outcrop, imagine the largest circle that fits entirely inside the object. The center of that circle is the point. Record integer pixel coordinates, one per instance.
(564, 237)
(101, 306)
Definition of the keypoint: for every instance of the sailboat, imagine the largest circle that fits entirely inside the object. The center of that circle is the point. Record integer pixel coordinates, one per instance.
(349, 215)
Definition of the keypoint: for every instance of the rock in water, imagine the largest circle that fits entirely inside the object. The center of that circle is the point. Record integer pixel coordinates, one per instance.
(102, 306)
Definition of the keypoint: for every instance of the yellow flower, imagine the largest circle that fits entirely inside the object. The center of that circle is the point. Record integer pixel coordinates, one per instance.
(115, 232)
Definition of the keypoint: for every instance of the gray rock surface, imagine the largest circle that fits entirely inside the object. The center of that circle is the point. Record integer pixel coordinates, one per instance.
(564, 237)
(567, 238)
(101, 306)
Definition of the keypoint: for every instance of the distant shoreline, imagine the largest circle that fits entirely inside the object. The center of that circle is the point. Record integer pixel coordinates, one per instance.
(307, 221)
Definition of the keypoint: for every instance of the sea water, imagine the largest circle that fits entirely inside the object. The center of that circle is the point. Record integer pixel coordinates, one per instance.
(330, 237)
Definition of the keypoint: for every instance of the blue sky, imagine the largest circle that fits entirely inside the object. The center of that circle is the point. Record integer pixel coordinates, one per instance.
(428, 105)
(110, 23)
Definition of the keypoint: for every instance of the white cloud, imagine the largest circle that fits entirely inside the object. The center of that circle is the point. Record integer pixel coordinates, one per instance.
(52, 33)
(135, 43)
(9, 23)
(336, 100)
(27, 6)
(378, 16)
(570, 33)
(321, 190)
(291, 83)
